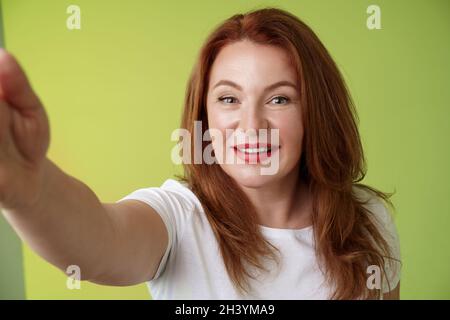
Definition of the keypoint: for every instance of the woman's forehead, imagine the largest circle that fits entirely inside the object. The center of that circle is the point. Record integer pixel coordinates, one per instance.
(246, 62)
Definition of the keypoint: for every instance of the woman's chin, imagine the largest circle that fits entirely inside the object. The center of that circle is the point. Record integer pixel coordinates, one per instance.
(249, 175)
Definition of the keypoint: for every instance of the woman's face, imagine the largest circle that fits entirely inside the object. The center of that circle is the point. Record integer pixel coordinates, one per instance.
(252, 87)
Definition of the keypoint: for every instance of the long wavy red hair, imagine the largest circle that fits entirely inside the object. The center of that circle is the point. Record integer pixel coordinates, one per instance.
(332, 162)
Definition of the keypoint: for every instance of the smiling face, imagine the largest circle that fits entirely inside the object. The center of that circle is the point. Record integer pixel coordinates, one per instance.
(252, 87)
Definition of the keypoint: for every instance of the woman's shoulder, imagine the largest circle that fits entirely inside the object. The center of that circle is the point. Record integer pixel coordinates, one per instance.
(374, 203)
(384, 220)
(171, 196)
(181, 189)
(381, 215)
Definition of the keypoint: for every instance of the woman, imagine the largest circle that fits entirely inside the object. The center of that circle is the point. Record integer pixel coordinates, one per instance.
(308, 230)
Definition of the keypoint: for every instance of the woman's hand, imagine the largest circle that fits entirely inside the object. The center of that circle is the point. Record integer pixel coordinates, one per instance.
(24, 137)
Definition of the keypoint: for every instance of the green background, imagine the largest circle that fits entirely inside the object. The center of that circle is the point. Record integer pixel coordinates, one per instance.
(114, 92)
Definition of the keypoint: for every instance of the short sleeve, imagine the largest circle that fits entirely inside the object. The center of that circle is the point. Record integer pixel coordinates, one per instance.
(393, 263)
(174, 202)
(384, 221)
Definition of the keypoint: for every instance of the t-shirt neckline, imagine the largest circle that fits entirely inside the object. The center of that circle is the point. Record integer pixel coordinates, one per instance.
(267, 231)
(279, 232)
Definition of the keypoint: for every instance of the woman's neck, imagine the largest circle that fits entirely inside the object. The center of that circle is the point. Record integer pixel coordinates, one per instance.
(284, 204)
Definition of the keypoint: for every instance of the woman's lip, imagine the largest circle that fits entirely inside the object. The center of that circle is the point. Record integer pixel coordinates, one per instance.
(255, 145)
(254, 157)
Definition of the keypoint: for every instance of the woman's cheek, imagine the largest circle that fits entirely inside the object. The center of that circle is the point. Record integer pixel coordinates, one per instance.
(291, 136)
(218, 123)
(221, 119)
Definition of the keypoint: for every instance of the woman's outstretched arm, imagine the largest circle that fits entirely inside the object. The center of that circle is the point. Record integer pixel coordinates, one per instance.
(57, 215)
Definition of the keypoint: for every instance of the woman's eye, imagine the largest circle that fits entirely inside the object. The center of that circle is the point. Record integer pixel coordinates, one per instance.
(280, 100)
(227, 100)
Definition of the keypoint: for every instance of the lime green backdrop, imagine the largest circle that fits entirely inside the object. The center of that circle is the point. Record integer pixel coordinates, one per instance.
(114, 93)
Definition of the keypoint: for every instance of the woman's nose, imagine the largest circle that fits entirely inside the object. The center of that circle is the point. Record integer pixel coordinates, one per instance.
(252, 118)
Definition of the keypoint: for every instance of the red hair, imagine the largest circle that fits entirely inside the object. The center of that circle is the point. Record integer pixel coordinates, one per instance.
(332, 162)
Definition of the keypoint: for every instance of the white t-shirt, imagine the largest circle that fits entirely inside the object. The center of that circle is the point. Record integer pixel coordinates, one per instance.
(192, 266)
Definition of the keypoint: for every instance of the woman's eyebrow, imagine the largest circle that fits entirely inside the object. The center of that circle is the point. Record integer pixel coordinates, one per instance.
(230, 83)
